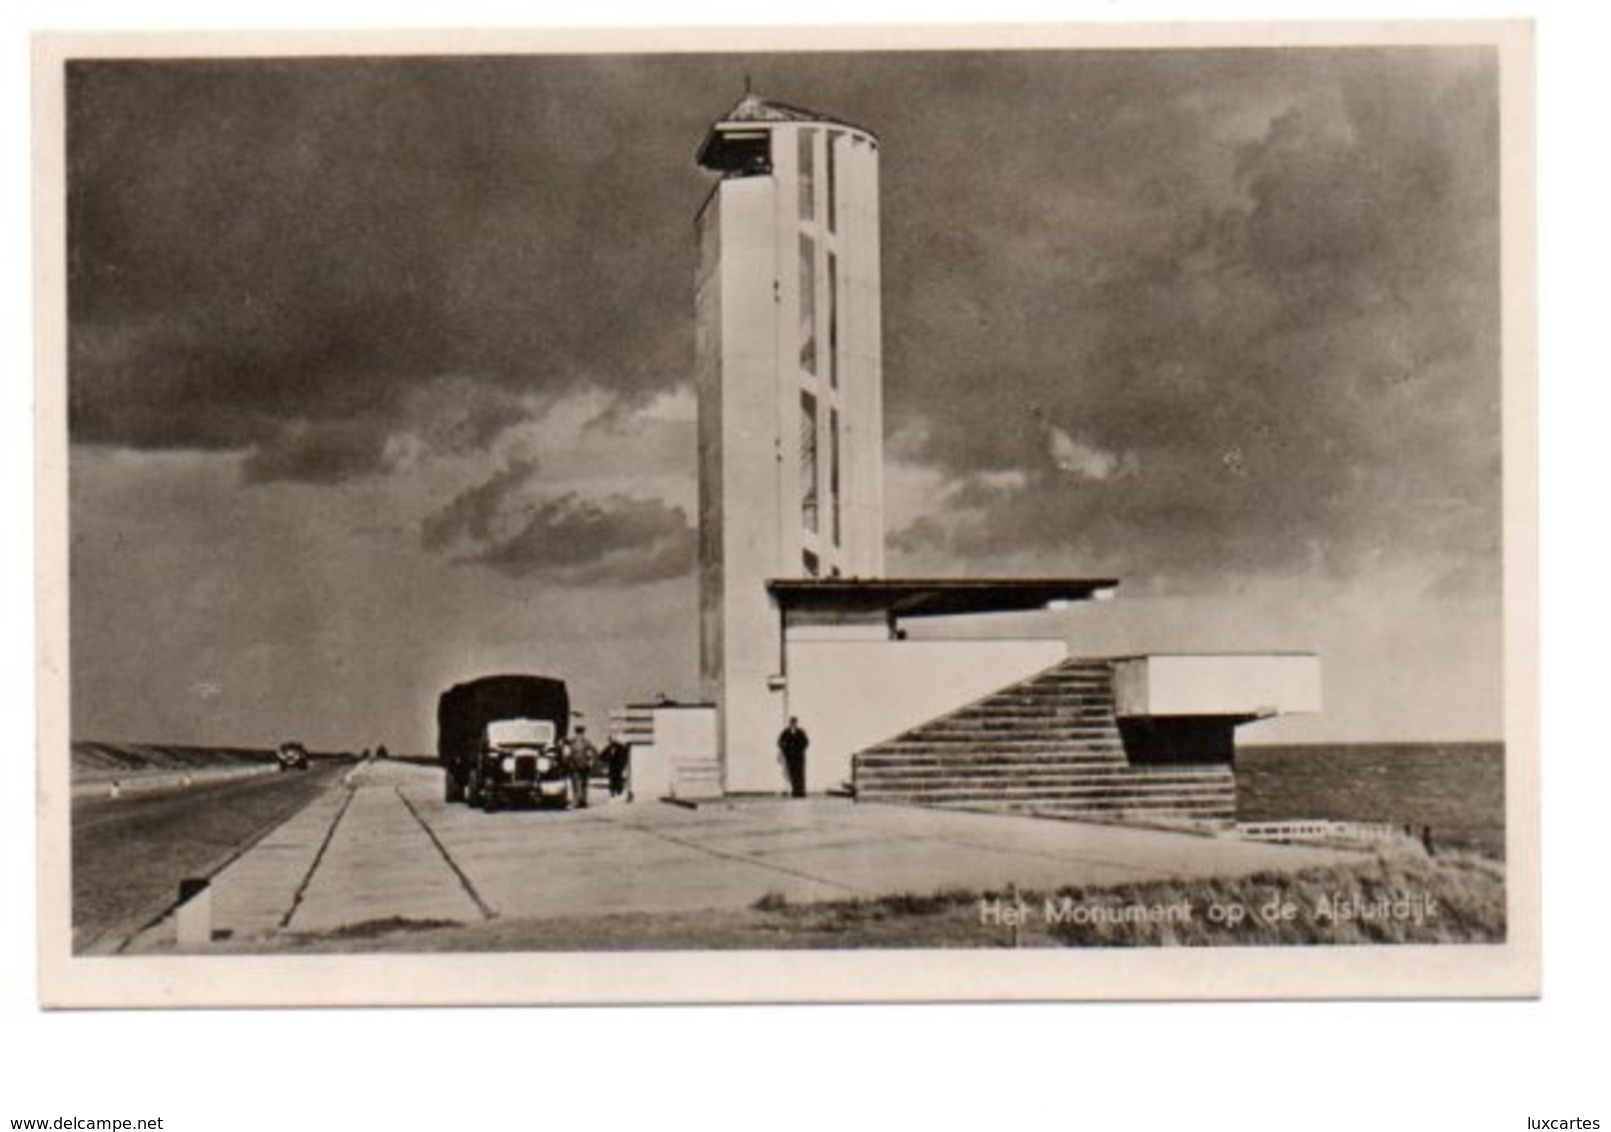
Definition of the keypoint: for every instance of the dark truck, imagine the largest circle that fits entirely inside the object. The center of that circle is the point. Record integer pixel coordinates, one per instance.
(499, 740)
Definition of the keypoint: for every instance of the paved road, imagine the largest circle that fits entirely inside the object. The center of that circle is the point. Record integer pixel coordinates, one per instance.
(383, 848)
(130, 853)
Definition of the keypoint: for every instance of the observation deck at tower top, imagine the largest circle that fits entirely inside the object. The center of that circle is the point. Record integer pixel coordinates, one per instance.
(729, 146)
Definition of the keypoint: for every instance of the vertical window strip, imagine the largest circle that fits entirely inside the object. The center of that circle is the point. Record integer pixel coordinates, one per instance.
(833, 473)
(807, 149)
(833, 320)
(808, 304)
(833, 182)
(808, 462)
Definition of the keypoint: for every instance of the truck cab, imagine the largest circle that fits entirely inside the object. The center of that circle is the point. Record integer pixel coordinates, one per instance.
(500, 740)
(520, 762)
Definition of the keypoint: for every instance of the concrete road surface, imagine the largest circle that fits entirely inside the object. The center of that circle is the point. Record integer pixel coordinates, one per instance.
(383, 847)
(130, 852)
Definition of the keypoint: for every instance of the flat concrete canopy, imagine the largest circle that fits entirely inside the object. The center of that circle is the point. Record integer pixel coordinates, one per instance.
(931, 597)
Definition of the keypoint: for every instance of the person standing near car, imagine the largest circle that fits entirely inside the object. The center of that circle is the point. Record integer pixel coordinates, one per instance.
(617, 753)
(579, 759)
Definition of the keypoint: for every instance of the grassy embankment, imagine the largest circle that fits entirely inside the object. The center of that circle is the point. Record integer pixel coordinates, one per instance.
(1466, 895)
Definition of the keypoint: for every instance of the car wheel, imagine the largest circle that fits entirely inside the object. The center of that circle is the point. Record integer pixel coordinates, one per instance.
(472, 791)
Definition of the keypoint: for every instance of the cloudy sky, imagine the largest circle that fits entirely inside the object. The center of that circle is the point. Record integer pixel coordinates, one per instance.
(379, 369)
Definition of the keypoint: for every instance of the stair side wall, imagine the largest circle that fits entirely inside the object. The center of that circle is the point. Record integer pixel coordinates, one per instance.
(1051, 745)
(850, 695)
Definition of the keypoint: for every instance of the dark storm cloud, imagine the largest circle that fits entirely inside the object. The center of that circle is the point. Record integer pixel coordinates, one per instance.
(317, 452)
(261, 251)
(1293, 340)
(616, 541)
(501, 524)
(474, 514)
(1200, 310)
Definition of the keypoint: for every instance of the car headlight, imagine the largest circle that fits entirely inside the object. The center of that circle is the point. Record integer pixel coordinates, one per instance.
(509, 764)
(545, 763)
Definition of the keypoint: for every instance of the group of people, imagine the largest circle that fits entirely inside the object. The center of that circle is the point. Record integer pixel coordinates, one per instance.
(581, 759)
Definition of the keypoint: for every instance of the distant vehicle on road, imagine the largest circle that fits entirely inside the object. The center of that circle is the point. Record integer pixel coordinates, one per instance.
(292, 756)
(499, 737)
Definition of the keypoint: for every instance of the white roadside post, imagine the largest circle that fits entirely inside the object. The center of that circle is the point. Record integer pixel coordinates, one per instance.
(194, 915)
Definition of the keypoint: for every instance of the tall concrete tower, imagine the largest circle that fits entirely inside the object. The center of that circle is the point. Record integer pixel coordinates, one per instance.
(789, 374)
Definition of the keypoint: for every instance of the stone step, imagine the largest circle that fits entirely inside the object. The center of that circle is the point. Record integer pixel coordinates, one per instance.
(1025, 706)
(1199, 818)
(995, 728)
(1096, 687)
(1089, 678)
(964, 762)
(1062, 758)
(1100, 681)
(1039, 740)
(695, 778)
(1004, 721)
(891, 776)
(962, 744)
(1219, 807)
(1054, 792)
(1024, 748)
(1043, 768)
(1150, 809)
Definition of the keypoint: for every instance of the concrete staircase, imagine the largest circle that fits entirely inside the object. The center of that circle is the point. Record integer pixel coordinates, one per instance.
(1048, 745)
(696, 778)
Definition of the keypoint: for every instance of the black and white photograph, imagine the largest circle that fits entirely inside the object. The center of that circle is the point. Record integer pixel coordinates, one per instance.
(697, 519)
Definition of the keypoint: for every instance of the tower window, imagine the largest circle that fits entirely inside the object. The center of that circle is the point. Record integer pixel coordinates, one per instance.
(833, 320)
(808, 304)
(807, 140)
(808, 462)
(742, 153)
(833, 183)
(833, 473)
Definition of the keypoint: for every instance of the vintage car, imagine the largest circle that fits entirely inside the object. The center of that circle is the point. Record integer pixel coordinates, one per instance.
(500, 739)
(521, 762)
(292, 756)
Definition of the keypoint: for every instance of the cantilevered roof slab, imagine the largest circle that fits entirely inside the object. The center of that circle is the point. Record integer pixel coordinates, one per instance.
(931, 597)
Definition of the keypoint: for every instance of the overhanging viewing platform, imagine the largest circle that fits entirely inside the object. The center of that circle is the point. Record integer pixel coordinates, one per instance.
(1245, 686)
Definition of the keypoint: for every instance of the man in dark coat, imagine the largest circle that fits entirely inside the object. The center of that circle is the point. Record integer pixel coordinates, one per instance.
(579, 759)
(616, 755)
(792, 744)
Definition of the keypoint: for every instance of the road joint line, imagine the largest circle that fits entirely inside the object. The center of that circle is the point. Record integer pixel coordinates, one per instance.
(211, 872)
(745, 860)
(318, 858)
(486, 910)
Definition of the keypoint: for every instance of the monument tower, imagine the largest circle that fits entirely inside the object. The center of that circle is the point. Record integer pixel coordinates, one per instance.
(796, 614)
(789, 376)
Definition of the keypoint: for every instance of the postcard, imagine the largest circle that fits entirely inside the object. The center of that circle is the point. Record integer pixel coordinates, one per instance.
(895, 514)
